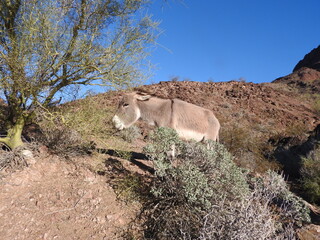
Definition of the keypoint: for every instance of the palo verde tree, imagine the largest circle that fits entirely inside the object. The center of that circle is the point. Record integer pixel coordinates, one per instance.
(46, 47)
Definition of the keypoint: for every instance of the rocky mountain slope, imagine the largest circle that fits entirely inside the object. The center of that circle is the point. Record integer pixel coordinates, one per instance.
(310, 60)
(306, 74)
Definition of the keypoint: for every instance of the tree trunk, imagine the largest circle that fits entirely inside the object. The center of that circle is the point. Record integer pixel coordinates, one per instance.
(13, 138)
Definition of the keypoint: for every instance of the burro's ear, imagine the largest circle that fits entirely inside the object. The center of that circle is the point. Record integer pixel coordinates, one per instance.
(143, 96)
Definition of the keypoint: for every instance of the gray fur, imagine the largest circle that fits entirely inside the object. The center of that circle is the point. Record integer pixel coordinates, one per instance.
(190, 121)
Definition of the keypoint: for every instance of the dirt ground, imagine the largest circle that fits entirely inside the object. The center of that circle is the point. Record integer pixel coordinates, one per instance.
(57, 199)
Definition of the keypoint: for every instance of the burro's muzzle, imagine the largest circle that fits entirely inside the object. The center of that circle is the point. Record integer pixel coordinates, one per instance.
(118, 124)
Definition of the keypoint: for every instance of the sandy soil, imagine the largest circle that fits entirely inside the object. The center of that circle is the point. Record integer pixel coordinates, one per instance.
(56, 199)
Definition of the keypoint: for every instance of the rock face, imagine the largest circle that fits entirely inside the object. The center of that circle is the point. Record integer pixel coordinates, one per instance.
(291, 150)
(304, 79)
(311, 60)
(306, 74)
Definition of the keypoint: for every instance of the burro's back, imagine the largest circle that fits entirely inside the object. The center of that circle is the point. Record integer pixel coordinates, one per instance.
(194, 122)
(189, 120)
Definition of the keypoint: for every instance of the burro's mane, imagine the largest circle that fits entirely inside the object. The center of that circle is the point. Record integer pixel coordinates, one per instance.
(152, 94)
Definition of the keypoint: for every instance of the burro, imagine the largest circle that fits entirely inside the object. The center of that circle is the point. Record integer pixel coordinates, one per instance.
(190, 121)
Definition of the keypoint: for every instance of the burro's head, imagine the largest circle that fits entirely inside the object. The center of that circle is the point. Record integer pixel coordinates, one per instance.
(128, 111)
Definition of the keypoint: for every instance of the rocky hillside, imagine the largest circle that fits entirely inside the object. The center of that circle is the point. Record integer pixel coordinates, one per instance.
(306, 74)
(271, 107)
(56, 197)
(255, 118)
(310, 60)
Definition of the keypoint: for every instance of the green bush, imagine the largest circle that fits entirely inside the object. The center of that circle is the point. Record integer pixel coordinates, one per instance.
(248, 148)
(206, 196)
(89, 118)
(291, 208)
(129, 188)
(310, 177)
(57, 132)
(163, 141)
(130, 134)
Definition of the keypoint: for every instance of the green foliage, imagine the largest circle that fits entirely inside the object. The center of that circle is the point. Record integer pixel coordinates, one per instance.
(128, 188)
(130, 134)
(216, 163)
(310, 177)
(51, 49)
(123, 154)
(88, 117)
(204, 195)
(163, 140)
(249, 150)
(292, 208)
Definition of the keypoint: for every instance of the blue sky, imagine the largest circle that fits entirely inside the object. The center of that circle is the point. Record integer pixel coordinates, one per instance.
(222, 40)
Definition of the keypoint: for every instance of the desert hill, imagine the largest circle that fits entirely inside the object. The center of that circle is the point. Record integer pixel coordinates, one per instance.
(270, 106)
(85, 197)
(310, 60)
(306, 74)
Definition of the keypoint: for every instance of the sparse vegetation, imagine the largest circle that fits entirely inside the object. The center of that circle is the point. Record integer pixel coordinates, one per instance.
(310, 177)
(206, 196)
(129, 188)
(12, 159)
(61, 137)
(249, 150)
(130, 134)
(296, 130)
(122, 154)
(313, 99)
(89, 118)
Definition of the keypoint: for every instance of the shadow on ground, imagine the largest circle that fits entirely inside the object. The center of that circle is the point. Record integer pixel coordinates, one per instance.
(134, 157)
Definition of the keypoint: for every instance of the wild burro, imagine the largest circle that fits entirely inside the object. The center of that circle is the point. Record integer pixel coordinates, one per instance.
(190, 121)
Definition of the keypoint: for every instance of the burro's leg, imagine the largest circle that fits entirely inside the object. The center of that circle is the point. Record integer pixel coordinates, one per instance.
(171, 153)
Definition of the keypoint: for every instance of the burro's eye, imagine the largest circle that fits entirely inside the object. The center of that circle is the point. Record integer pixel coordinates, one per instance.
(125, 105)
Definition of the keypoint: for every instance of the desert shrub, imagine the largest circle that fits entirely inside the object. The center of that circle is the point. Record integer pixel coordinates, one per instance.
(163, 141)
(249, 150)
(61, 140)
(296, 129)
(13, 159)
(89, 118)
(316, 106)
(313, 99)
(130, 134)
(18, 158)
(129, 188)
(58, 136)
(310, 177)
(206, 196)
(289, 207)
